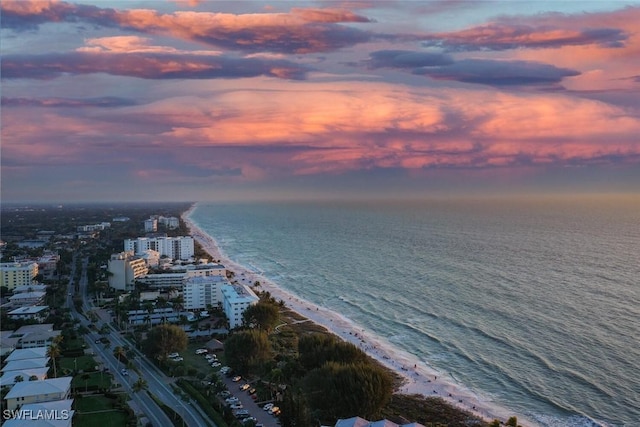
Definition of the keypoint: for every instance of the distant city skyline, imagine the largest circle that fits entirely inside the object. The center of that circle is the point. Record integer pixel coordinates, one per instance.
(192, 100)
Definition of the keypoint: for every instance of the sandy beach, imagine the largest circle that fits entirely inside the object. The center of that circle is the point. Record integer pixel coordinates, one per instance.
(419, 378)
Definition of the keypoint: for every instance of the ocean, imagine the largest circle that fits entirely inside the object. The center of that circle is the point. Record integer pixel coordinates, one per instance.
(533, 304)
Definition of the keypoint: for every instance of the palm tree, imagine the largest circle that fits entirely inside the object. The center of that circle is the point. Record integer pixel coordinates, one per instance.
(140, 385)
(54, 352)
(118, 352)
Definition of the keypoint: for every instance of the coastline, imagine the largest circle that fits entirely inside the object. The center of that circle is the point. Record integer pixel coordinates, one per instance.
(418, 378)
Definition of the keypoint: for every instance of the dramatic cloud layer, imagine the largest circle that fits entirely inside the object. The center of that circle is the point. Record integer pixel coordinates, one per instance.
(192, 98)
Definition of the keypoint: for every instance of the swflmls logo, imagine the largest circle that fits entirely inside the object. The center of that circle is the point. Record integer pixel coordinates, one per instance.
(41, 414)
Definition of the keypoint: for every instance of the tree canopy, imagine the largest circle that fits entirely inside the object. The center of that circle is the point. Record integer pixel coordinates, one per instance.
(163, 340)
(317, 349)
(247, 350)
(341, 390)
(263, 315)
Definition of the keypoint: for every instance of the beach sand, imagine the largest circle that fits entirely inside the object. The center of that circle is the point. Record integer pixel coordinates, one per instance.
(418, 377)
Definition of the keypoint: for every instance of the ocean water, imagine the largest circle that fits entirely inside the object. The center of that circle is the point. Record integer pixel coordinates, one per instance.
(532, 304)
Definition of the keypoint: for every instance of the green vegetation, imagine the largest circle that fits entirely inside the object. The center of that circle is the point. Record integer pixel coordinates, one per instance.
(102, 411)
(263, 316)
(163, 340)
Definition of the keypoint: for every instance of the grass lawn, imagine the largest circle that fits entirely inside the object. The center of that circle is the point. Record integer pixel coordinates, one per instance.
(114, 418)
(83, 363)
(86, 415)
(101, 380)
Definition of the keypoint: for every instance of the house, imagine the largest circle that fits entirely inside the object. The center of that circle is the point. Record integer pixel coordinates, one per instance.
(57, 413)
(26, 392)
(27, 353)
(34, 312)
(27, 298)
(7, 342)
(9, 378)
(26, 364)
(31, 336)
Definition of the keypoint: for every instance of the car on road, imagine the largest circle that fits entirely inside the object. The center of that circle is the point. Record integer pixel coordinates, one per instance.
(124, 372)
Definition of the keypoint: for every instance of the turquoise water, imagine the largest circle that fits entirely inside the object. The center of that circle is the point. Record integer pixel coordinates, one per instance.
(535, 305)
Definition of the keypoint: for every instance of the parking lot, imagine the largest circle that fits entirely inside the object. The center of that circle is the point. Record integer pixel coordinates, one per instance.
(262, 416)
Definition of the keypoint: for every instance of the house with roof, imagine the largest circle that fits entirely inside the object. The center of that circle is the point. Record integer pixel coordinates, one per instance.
(27, 353)
(27, 392)
(9, 378)
(39, 335)
(27, 298)
(8, 343)
(20, 365)
(33, 312)
(57, 413)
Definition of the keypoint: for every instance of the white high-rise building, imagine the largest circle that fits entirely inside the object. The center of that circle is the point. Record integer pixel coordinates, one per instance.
(235, 300)
(202, 291)
(181, 247)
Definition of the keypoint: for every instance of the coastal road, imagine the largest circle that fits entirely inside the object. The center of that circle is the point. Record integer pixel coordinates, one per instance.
(157, 382)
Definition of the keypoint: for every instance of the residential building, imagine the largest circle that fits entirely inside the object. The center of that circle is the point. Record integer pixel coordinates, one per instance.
(151, 225)
(24, 299)
(13, 274)
(48, 390)
(32, 336)
(30, 288)
(25, 364)
(153, 317)
(57, 413)
(9, 378)
(235, 300)
(180, 247)
(34, 312)
(29, 353)
(125, 268)
(199, 292)
(170, 222)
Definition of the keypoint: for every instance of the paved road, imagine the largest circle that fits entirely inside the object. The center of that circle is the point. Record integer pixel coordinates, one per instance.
(157, 382)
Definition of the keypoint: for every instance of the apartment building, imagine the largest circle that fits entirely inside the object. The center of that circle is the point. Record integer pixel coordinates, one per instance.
(202, 291)
(14, 274)
(235, 300)
(181, 247)
(125, 268)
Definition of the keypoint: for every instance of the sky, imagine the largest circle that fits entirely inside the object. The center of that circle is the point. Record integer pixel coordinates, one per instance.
(211, 100)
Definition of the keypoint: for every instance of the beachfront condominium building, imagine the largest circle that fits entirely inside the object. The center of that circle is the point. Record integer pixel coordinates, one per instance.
(199, 292)
(235, 300)
(180, 274)
(170, 222)
(181, 247)
(125, 268)
(13, 274)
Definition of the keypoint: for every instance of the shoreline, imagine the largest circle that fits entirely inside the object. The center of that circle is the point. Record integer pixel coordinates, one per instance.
(418, 377)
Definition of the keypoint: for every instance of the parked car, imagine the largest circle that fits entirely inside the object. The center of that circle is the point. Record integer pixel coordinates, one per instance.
(236, 406)
(244, 387)
(202, 351)
(236, 378)
(274, 409)
(172, 355)
(251, 390)
(232, 399)
(267, 406)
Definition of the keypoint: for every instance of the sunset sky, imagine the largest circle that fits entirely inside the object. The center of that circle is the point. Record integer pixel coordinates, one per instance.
(207, 100)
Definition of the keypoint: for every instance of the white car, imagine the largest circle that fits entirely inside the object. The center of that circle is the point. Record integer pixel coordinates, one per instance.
(173, 355)
(236, 378)
(268, 406)
(202, 351)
